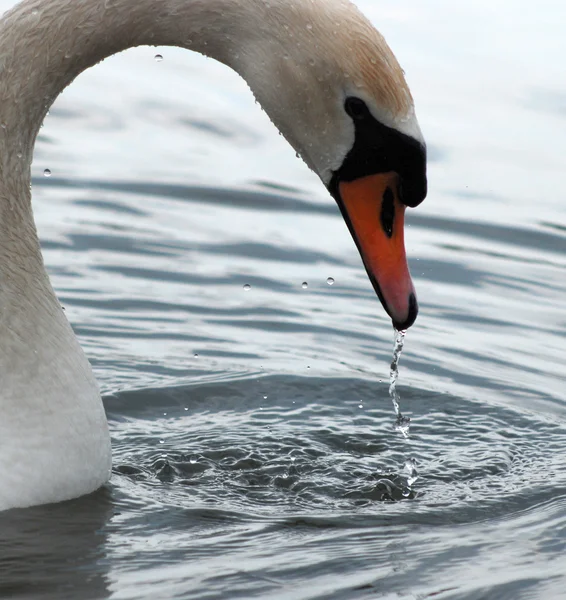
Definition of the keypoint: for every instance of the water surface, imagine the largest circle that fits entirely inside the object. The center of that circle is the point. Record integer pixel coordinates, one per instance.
(255, 454)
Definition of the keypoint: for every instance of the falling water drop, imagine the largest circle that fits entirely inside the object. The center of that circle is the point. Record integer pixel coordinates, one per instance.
(158, 57)
(47, 173)
(305, 285)
(196, 354)
(330, 281)
(412, 473)
(247, 287)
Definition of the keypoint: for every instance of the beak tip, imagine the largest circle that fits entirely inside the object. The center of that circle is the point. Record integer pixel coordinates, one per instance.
(411, 314)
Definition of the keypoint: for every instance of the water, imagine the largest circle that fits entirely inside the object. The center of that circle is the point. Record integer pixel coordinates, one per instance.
(170, 191)
(402, 423)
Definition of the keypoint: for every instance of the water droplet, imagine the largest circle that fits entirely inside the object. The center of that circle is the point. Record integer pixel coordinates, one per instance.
(265, 397)
(193, 459)
(47, 173)
(309, 26)
(161, 441)
(411, 468)
(19, 154)
(196, 354)
(330, 281)
(305, 285)
(158, 57)
(34, 11)
(360, 406)
(186, 408)
(247, 287)
(308, 367)
(164, 414)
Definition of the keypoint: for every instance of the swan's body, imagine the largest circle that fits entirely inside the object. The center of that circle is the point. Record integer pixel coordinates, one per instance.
(302, 59)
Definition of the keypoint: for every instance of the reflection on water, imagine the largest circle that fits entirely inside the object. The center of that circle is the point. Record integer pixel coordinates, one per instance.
(254, 453)
(57, 551)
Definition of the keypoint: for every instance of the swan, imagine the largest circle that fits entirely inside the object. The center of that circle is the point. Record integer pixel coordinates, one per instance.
(329, 83)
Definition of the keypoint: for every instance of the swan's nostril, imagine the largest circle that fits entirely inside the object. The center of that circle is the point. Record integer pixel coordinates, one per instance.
(387, 215)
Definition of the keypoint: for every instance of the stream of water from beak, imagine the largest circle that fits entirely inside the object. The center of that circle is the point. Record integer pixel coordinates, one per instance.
(402, 423)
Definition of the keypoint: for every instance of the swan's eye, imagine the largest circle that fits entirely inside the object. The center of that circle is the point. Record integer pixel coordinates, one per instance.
(356, 108)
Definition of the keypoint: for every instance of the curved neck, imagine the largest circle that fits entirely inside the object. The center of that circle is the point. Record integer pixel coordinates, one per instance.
(45, 44)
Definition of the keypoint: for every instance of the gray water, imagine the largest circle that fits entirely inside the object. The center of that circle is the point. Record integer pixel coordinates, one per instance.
(255, 450)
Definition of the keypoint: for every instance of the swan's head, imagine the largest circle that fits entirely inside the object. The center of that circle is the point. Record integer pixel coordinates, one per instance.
(330, 83)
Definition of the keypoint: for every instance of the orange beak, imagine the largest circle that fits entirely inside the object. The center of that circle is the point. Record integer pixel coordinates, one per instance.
(376, 216)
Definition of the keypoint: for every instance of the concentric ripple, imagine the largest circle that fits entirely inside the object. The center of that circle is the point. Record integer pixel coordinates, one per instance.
(286, 445)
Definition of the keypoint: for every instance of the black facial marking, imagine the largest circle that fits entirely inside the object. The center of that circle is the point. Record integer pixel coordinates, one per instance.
(387, 215)
(380, 149)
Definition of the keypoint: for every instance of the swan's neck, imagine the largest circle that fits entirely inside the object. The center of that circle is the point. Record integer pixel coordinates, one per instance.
(45, 44)
(54, 441)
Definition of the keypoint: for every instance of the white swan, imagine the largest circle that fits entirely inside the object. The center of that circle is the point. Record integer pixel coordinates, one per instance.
(330, 84)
